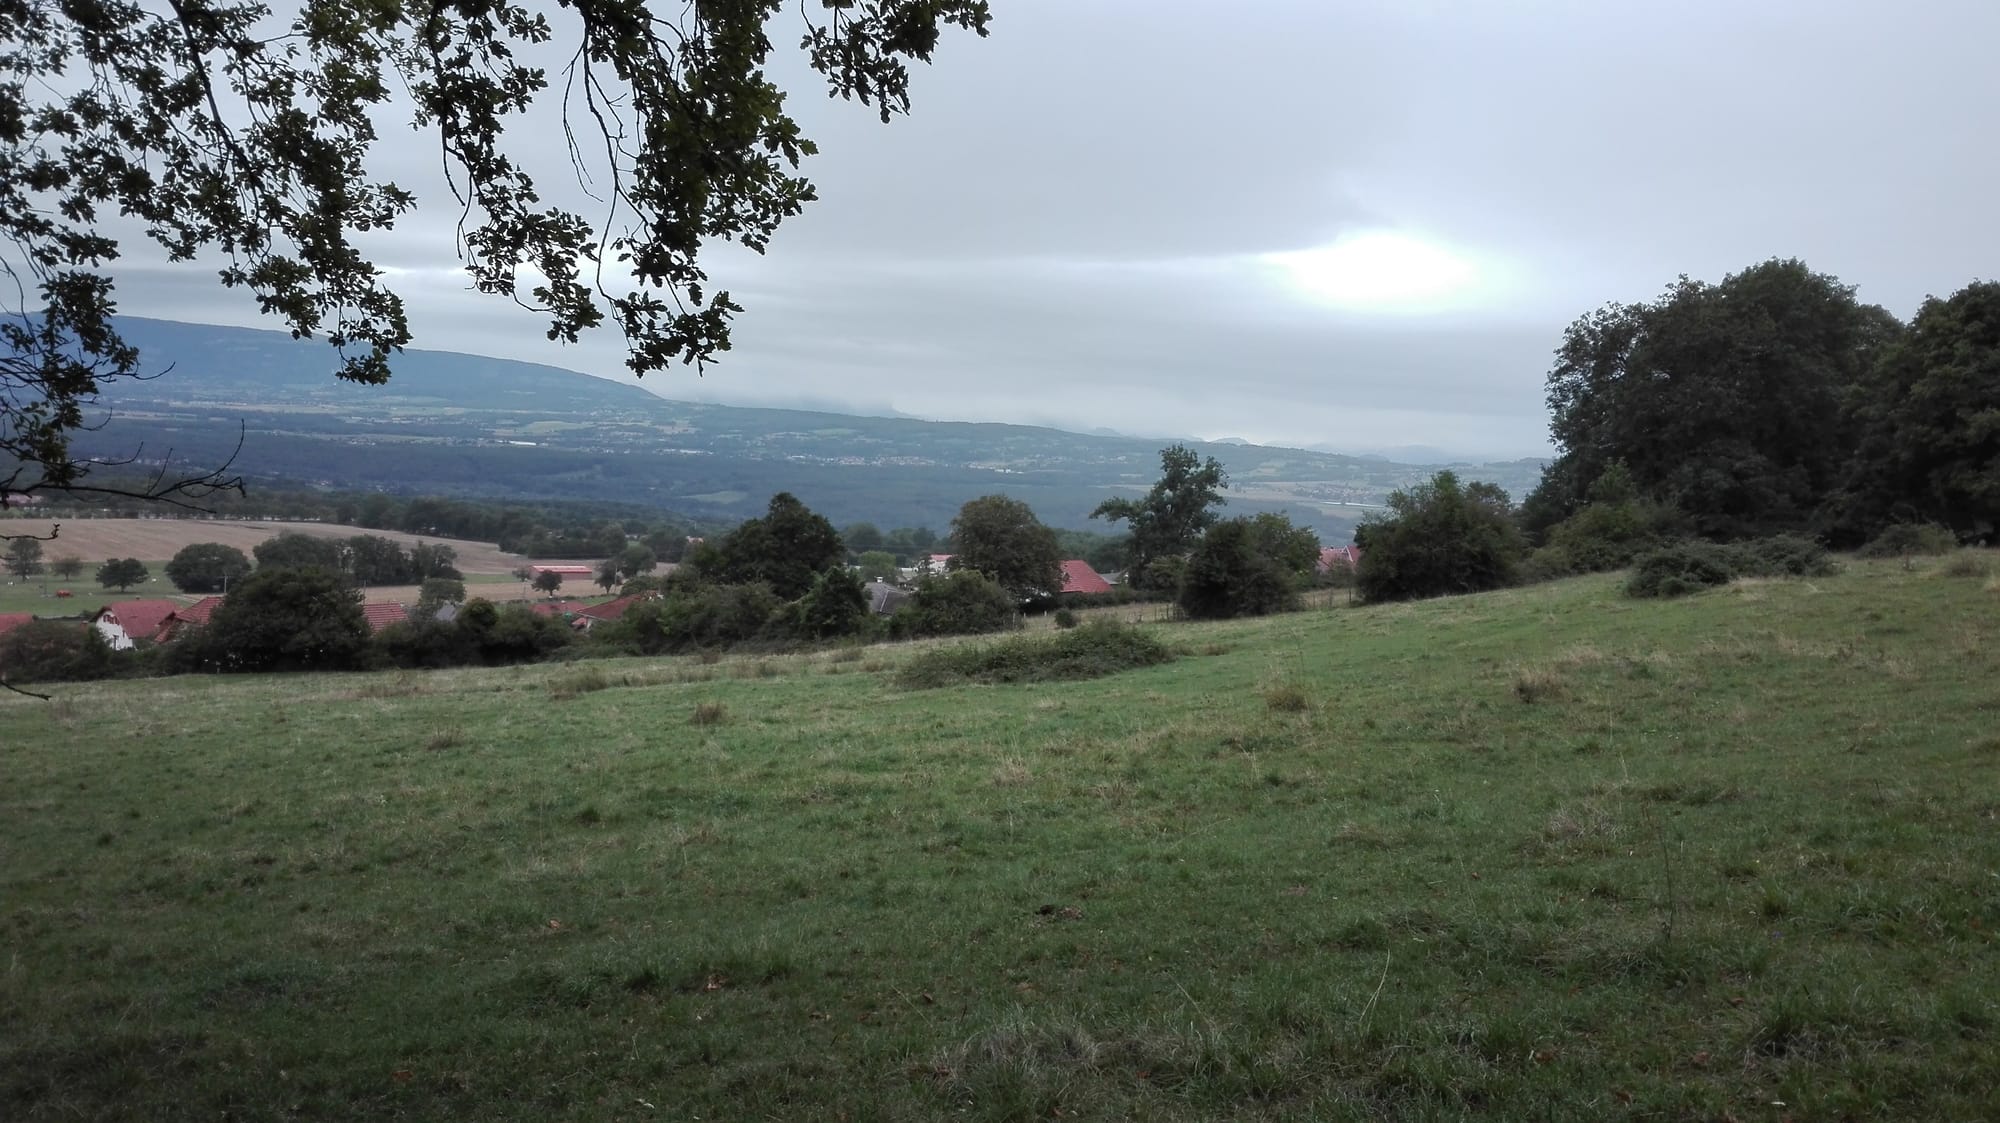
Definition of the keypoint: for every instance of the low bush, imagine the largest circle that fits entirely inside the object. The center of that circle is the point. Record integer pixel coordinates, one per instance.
(1910, 539)
(1690, 566)
(1966, 563)
(56, 651)
(1781, 555)
(1096, 649)
(959, 603)
(1680, 569)
(1065, 619)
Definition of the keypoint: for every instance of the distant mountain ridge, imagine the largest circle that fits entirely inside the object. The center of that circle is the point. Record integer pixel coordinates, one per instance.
(455, 424)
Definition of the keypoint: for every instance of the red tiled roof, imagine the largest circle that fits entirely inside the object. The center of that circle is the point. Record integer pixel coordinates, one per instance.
(1349, 556)
(567, 570)
(200, 611)
(12, 620)
(611, 609)
(1078, 577)
(191, 616)
(141, 619)
(380, 616)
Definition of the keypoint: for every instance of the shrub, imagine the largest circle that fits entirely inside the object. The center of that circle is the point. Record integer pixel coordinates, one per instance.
(1904, 540)
(1781, 555)
(1287, 698)
(836, 605)
(959, 603)
(1439, 538)
(1101, 647)
(1231, 573)
(286, 619)
(56, 651)
(1065, 619)
(1966, 563)
(710, 713)
(1690, 566)
(1607, 533)
(1679, 569)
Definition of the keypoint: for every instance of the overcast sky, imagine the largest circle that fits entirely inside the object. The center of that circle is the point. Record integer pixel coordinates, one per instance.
(1360, 224)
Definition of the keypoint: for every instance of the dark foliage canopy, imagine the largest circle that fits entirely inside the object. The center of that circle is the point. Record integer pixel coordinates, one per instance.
(1723, 400)
(207, 567)
(1928, 420)
(287, 620)
(1241, 568)
(786, 549)
(1439, 538)
(1170, 519)
(122, 573)
(1000, 536)
(218, 130)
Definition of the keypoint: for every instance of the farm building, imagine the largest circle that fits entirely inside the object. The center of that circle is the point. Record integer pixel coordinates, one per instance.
(1330, 556)
(125, 622)
(563, 571)
(185, 619)
(588, 618)
(380, 616)
(1078, 577)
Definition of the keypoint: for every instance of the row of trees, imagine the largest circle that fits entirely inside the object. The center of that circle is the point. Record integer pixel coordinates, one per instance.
(24, 560)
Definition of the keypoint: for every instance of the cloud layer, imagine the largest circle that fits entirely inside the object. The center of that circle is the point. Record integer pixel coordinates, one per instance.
(1078, 224)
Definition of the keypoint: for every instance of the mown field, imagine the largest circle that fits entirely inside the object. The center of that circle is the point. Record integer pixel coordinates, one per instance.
(155, 540)
(1544, 854)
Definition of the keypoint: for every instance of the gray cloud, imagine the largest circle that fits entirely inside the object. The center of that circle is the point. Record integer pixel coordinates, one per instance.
(1069, 228)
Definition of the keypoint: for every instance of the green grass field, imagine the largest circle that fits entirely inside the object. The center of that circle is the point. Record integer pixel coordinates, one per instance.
(87, 595)
(1547, 854)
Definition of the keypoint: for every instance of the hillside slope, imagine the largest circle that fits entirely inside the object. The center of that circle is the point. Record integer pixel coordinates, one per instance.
(1548, 853)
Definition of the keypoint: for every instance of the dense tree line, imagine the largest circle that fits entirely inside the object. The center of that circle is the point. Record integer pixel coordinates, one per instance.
(1771, 413)
(1775, 402)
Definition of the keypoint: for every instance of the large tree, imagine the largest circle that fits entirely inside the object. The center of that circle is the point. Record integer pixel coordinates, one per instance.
(24, 557)
(288, 619)
(122, 573)
(1000, 536)
(207, 567)
(217, 130)
(1723, 400)
(1928, 419)
(293, 550)
(786, 549)
(1170, 519)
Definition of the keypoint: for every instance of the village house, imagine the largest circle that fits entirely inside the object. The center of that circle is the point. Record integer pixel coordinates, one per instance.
(185, 619)
(125, 622)
(1079, 577)
(1330, 556)
(380, 616)
(591, 616)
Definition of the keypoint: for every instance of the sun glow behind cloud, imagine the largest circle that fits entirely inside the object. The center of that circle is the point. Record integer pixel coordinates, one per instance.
(1384, 272)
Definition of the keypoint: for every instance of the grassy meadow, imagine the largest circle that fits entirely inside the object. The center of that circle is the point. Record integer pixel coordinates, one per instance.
(1544, 854)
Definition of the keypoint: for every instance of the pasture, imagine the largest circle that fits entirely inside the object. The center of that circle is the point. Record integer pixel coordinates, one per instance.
(1544, 854)
(155, 540)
